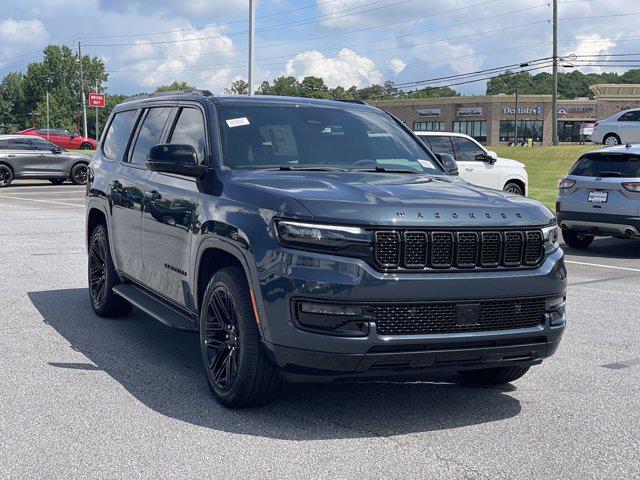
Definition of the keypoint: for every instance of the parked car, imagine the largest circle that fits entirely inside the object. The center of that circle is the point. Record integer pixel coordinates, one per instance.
(24, 156)
(620, 128)
(476, 164)
(315, 240)
(601, 196)
(62, 138)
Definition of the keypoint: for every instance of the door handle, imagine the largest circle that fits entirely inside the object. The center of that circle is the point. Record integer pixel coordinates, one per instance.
(11, 155)
(469, 169)
(152, 195)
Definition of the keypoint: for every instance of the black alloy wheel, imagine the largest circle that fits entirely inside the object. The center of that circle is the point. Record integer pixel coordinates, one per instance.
(79, 174)
(97, 270)
(86, 146)
(6, 176)
(238, 371)
(222, 341)
(513, 187)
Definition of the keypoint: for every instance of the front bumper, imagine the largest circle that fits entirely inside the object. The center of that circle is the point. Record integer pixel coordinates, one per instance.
(309, 356)
(600, 224)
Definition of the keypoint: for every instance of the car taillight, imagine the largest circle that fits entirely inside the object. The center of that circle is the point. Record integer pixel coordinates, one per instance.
(566, 183)
(632, 186)
(558, 206)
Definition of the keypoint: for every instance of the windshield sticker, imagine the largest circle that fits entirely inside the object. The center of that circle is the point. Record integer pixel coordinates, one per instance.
(237, 122)
(425, 163)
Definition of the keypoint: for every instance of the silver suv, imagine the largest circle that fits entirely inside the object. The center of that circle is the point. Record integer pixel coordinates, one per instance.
(29, 156)
(601, 196)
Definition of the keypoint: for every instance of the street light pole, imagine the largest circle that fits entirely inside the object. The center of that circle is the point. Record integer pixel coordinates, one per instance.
(84, 104)
(97, 136)
(554, 98)
(252, 34)
(47, 115)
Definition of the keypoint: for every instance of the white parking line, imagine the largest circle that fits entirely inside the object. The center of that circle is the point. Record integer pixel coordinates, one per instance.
(42, 201)
(604, 266)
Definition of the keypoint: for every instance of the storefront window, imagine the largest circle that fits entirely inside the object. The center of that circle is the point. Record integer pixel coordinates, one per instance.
(428, 126)
(569, 131)
(526, 129)
(474, 128)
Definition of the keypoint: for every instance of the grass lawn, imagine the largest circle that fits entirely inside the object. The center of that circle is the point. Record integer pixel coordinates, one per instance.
(545, 165)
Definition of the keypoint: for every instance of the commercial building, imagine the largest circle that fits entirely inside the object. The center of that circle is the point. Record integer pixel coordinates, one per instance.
(491, 119)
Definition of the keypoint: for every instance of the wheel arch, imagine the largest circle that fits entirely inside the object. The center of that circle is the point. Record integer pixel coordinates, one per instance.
(95, 216)
(521, 183)
(611, 134)
(8, 165)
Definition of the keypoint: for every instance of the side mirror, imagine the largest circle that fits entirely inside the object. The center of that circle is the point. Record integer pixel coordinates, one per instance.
(175, 158)
(450, 165)
(492, 157)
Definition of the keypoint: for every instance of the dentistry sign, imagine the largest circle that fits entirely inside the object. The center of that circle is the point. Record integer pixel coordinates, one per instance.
(508, 110)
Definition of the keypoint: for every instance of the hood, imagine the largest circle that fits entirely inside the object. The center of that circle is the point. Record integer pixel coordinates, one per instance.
(397, 199)
(507, 162)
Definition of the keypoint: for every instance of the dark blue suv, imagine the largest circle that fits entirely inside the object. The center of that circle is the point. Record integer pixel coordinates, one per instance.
(311, 240)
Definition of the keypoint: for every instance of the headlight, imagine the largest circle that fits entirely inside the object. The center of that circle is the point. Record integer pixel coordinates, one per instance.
(550, 238)
(322, 237)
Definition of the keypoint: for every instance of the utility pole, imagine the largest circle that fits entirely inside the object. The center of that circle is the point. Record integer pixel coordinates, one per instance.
(252, 34)
(84, 105)
(47, 115)
(554, 99)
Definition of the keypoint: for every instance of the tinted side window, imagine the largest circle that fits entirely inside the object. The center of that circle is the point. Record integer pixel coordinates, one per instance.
(117, 134)
(189, 130)
(149, 133)
(20, 144)
(4, 144)
(630, 117)
(467, 149)
(40, 144)
(441, 144)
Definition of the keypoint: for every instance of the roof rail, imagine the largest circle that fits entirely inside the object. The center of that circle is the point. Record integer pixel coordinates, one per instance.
(192, 91)
(351, 100)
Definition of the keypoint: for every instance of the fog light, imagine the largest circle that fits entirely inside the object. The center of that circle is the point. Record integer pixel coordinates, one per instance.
(555, 309)
(332, 319)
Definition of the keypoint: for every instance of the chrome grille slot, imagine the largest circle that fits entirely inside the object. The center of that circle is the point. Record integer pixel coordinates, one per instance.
(441, 249)
(512, 251)
(415, 249)
(467, 249)
(534, 249)
(491, 248)
(387, 249)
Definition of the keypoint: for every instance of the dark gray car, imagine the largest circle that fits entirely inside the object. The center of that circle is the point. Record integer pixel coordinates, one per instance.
(27, 156)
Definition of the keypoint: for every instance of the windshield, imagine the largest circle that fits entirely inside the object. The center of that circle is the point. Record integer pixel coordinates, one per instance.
(607, 165)
(310, 137)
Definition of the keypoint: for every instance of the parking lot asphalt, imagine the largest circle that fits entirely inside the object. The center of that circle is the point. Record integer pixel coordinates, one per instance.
(85, 397)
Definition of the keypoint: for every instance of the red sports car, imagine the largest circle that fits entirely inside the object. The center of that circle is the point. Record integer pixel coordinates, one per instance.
(62, 138)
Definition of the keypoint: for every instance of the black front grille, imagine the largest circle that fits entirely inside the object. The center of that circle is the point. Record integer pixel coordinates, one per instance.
(440, 317)
(464, 249)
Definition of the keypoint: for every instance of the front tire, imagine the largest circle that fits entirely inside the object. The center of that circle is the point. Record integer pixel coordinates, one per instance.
(577, 240)
(6, 175)
(513, 187)
(102, 278)
(86, 146)
(611, 139)
(493, 376)
(79, 174)
(237, 369)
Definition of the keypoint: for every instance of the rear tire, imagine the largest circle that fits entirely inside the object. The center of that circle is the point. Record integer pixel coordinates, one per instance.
(6, 175)
(577, 240)
(513, 187)
(57, 181)
(86, 146)
(611, 139)
(237, 369)
(79, 174)
(102, 278)
(493, 376)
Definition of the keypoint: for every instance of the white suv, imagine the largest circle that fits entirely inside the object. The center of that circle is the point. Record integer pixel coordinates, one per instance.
(476, 164)
(623, 127)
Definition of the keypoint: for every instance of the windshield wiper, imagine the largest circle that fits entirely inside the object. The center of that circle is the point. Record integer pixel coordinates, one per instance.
(290, 168)
(384, 170)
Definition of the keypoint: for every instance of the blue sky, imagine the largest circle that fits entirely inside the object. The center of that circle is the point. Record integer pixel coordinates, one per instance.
(146, 43)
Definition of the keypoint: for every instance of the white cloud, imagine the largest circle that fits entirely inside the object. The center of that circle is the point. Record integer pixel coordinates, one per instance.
(462, 58)
(397, 65)
(352, 69)
(591, 44)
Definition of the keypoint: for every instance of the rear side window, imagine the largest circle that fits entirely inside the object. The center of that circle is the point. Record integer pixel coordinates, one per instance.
(441, 144)
(189, 130)
(607, 165)
(20, 144)
(117, 134)
(149, 133)
(630, 116)
(4, 144)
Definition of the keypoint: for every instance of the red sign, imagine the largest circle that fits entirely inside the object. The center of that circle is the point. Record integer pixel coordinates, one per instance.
(96, 99)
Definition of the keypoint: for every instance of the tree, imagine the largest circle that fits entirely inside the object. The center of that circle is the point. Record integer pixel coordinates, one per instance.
(175, 85)
(314, 87)
(238, 87)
